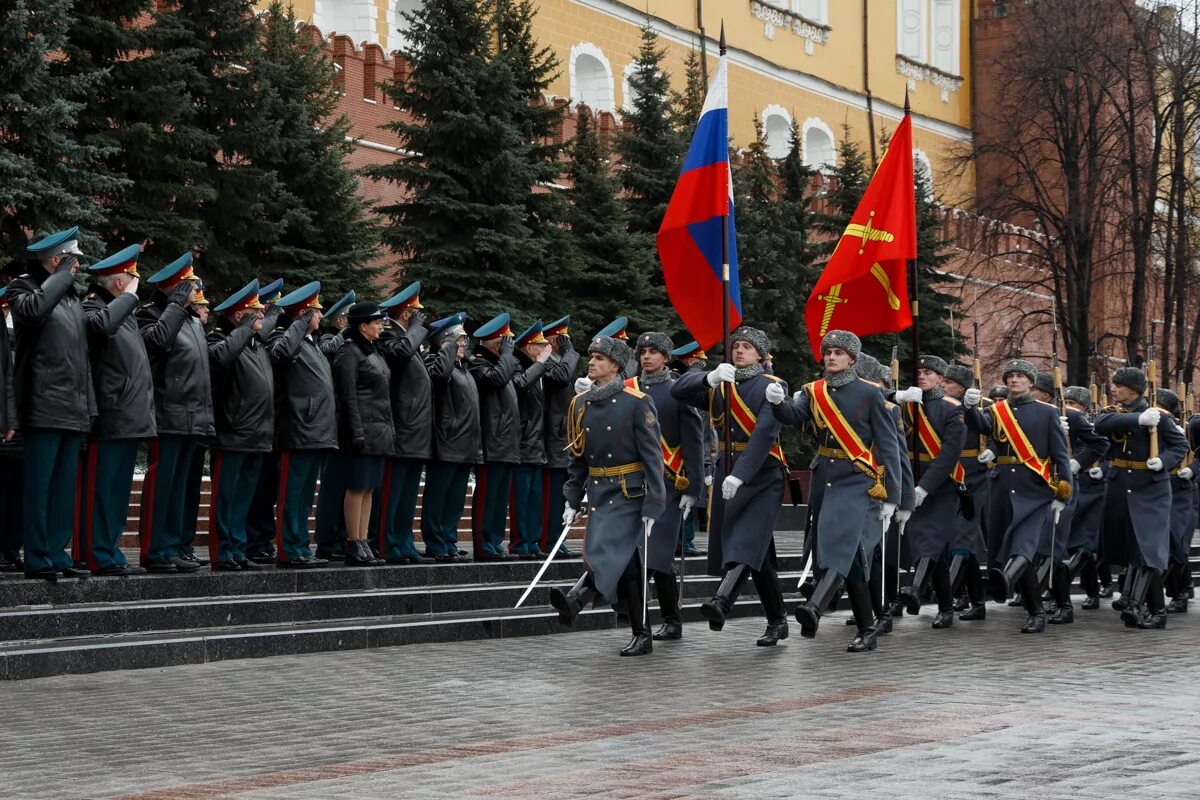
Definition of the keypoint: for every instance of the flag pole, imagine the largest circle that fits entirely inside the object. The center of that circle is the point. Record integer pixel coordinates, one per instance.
(916, 337)
(726, 429)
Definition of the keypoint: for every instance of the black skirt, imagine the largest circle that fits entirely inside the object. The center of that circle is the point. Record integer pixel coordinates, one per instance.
(364, 472)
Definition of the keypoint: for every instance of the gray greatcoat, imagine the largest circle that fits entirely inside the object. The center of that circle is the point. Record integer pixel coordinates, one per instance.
(1087, 447)
(872, 531)
(1183, 506)
(611, 431)
(741, 530)
(935, 525)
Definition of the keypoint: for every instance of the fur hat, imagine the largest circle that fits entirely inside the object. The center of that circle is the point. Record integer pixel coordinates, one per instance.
(998, 393)
(755, 337)
(1021, 366)
(843, 339)
(656, 341)
(1044, 382)
(868, 367)
(1078, 394)
(935, 363)
(1166, 399)
(960, 375)
(613, 349)
(1131, 378)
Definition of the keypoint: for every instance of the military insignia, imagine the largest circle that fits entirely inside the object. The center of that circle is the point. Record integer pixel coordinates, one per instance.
(649, 419)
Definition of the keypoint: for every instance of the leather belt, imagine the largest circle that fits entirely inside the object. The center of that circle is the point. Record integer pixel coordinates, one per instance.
(833, 452)
(615, 472)
(738, 447)
(1008, 460)
(925, 457)
(969, 453)
(1121, 463)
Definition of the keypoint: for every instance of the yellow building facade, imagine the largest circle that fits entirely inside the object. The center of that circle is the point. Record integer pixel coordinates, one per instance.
(824, 64)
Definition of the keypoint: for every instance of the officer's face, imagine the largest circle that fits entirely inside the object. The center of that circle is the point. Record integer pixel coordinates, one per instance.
(836, 360)
(1124, 395)
(602, 369)
(954, 388)
(1038, 394)
(202, 314)
(1076, 406)
(652, 360)
(371, 330)
(928, 379)
(1017, 383)
(744, 354)
(461, 348)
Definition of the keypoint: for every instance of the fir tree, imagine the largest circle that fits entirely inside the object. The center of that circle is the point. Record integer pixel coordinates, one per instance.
(49, 178)
(935, 305)
(690, 102)
(603, 278)
(463, 226)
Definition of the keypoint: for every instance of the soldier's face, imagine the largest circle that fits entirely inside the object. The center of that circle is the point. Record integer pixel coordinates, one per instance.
(954, 388)
(836, 360)
(928, 379)
(1076, 406)
(1038, 394)
(1124, 395)
(744, 354)
(652, 360)
(602, 369)
(1017, 383)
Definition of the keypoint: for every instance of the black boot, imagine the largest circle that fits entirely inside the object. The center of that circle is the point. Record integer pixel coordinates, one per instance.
(1176, 585)
(667, 590)
(958, 573)
(910, 596)
(572, 602)
(1104, 576)
(633, 590)
(808, 614)
(1076, 561)
(1004, 581)
(770, 594)
(1032, 600)
(945, 596)
(1156, 615)
(974, 583)
(716, 609)
(860, 603)
(1131, 614)
(1126, 581)
(1064, 612)
(1089, 579)
(883, 619)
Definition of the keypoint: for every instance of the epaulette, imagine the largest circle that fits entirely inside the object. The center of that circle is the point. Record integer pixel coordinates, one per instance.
(1110, 410)
(1043, 402)
(952, 400)
(775, 378)
(629, 390)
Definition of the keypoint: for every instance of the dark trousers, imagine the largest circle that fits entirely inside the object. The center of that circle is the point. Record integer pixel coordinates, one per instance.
(298, 471)
(51, 470)
(525, 527)
(12, 507)
(396, 509)
(162, 524)
(108, 478)
(489, 506)
(442, 506)
(234, 479)
(261, 521)
(191, 501)
(331, 515)
(553, 500)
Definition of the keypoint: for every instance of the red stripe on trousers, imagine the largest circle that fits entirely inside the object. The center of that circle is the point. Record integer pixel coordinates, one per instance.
(149, 484)
(285, 459)
(93, 455)
(213, 490)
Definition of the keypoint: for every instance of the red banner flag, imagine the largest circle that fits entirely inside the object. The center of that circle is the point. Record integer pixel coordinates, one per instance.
(864, 288)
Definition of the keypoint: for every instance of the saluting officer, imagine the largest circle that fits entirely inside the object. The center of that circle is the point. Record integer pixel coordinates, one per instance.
(692, 358)
(262, 519)
(412, 415)
(525, 526)
(331, 518)
(741, 541)
(244, 400)
(559, 383)
(183, 412)
(125, 402)
(305, 420)
(682, 442)
(11, 477)
(55, 399)
(457, 438)
(617, 462)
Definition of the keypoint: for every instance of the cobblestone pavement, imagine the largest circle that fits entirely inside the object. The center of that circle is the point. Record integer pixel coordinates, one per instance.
(978, 711)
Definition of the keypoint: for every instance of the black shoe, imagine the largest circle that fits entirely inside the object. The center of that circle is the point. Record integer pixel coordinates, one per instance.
(977, 611)
(484, 555)
(42, 574)
(864, 642)
(263, 556)
(192, 557)
(119, 570)
(1063, 615)
(1153, 622)
(1015, 601)
(1178, 605)
(526, 556)
(961, 604)
(225, 566)
(1131, 615)
(714, 611)
(184, 565)
(896, 609)
(303, 562)
(1120, 604)
(775, 633)
(691, 551)
(160, 566)
(249, 566)
(1035, 624)
(1106, 591)
(337, 556)
(1090, 603)
(944, 619)
(563, 552)
(883, 625)
(9, 566)
(76, 571)
(668, 632)
(641, 644)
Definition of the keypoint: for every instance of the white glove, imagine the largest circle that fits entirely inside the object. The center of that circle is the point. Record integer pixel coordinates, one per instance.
(921, 495)
(1154, 465)
(1186, 473)
(582, 385)
(647, 523)
(971, 397)
(1066, 425)
(708, 480)
(1057, 507)
(730, 486)
(1150, 417)
(903, 515)
(1095, 473)
(724, 373)
(986, 457)
(797, 395)
(571, 515)
(1075, 467)
(685, 504)
(886, 512)
(910, 395)
(775, 393)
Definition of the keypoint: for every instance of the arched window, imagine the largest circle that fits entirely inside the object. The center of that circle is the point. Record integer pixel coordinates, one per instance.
(819, 150)
(591, 78)
(400, 24)
(777, 130)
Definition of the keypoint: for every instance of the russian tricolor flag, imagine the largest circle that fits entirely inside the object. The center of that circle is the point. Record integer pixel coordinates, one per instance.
(689, 241)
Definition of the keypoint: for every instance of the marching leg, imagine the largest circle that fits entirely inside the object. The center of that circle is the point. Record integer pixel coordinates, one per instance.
(572, 602)
(633, 588)
(860, 603)
(667, 589)
(770, 593)
(945, 596)
(974, 584)
(716, 609)
(1064, 613)
(808, 614)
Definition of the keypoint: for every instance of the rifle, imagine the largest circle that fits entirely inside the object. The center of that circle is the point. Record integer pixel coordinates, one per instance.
(1095, 390)
(1151, 380)
(977, 378)
(1181, 411)
(895, 367)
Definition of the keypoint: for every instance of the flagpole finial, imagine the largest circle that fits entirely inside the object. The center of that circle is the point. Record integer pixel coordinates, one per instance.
(907, 107)
(721, 43)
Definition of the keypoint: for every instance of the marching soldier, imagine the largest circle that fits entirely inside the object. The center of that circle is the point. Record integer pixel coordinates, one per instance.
(682, 443)
(617, 461)
(261, 520)
(1183, 524)
(533, 354)
(125, 402)
(559, 385)
(55, 399)
(244, 401)
(305, 421)
(970, 546)
(11, 473)
(617, 329)
(1030, 485)
(1083, 541)
(1183, 590)
(331, 520)
(1137, 505)
(457, 438)
(183, 410)
(412, 414)
(856, 481)
(494, 368)
(692, 358)
(741, 541)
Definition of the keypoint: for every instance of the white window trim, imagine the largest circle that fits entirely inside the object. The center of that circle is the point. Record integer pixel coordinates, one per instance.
(589, 49)
(775, 110)
(819, 124)
(921, 57)
(395, 37)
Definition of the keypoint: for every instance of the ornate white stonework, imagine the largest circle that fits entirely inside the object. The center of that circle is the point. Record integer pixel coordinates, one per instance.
(813, 33)
(915, 71)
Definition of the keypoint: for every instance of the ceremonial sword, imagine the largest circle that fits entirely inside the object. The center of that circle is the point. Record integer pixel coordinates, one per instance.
(562, 537)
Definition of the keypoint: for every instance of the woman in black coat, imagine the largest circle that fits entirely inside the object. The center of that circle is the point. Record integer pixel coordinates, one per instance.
(365, 429)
